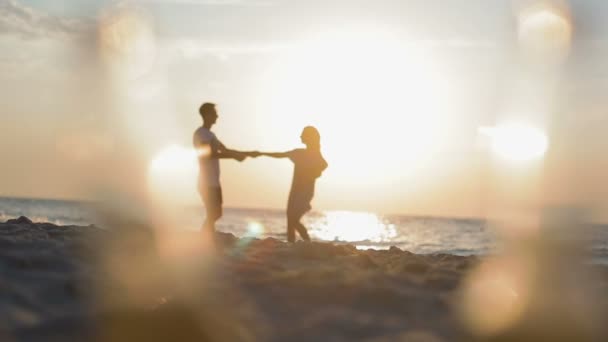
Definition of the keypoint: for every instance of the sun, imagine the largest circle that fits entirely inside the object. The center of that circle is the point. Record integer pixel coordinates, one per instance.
(375, 101)
(172, 175)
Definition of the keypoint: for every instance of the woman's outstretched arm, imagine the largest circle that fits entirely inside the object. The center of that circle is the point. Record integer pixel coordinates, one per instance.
(271, 154)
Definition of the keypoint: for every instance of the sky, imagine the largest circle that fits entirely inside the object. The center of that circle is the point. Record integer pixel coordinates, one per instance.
(104, 95)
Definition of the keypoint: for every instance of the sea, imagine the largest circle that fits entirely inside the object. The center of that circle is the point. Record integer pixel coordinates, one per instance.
(417, 234)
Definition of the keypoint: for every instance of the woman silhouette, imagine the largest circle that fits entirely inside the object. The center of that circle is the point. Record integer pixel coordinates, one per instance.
(308, 166)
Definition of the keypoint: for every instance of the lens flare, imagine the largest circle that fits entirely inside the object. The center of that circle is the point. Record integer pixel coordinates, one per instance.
(254, 230)
(172, 175)
(127, 42)
(544, 33)
(496, 295)
(203, 151)
(517, 142)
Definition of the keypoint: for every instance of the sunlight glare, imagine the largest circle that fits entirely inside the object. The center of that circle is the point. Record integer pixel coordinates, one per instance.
(172, 175)
(352, 227)
(516, 142)
(367, 92)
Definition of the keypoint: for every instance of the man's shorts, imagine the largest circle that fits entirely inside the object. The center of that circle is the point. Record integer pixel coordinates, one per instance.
(212, 197)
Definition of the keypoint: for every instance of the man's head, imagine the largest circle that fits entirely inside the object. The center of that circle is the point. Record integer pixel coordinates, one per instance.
(208, 113)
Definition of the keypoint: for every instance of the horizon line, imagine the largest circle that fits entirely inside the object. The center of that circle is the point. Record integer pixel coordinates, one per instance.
(412, 215)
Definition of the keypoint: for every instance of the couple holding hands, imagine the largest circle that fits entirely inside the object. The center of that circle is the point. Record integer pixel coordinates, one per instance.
(308, 166)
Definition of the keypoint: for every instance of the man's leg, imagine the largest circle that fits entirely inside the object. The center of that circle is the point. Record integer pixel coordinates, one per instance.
(291, 231)
(213, 205)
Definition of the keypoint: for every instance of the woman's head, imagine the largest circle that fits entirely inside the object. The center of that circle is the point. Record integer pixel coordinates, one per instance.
(311, 137)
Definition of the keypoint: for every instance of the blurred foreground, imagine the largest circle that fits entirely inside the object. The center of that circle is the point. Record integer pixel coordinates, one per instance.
(87, 283)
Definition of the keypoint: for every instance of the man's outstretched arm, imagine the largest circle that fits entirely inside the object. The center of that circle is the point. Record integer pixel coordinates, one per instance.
(226, 153)
(204, 150)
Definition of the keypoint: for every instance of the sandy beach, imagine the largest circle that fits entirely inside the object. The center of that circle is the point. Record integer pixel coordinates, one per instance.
(64, 283)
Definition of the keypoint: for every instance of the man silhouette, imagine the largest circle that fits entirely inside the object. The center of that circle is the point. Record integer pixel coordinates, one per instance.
(210, 150)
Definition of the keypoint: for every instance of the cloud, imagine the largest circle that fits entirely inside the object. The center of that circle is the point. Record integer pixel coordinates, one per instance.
(192, 48)
(17, 19)
(456, 43)
(197, 48)
(242, 3)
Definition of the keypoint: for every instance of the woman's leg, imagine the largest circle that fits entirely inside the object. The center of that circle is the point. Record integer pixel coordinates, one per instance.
(293, 224)
(292, 221)
(303, 232)
(291, 233)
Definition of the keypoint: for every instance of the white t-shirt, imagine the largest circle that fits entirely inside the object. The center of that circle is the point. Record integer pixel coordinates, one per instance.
(205, 142)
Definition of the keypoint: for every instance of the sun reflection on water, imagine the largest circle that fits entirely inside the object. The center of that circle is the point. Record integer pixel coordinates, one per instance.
(351, 226)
